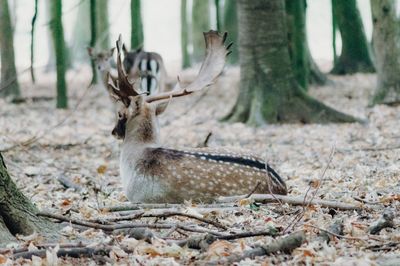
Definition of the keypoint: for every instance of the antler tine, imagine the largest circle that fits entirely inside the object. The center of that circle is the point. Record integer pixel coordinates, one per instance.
(211, 68)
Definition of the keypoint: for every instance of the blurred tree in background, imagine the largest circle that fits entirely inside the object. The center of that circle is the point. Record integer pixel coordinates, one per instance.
(269, 91)
(137, 38)
(230, 25)
(386, 42)
(355, 56)
(82, 31)
(102, 27)
(59, 48)
(184, 35)
(9, 81)
(93, 37)
(200, 23)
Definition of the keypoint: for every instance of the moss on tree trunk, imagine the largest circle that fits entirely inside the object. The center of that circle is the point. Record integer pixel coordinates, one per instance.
(355, 55)
(137, 37)
(59, 47)
(17, 213)
(297, 40)
(230, 25)
(268, 89)
(200, 24)
(386, 41)
(9, 81)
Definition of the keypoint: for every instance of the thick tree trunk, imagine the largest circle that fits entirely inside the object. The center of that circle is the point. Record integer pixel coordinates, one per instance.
(17, 213)
(103, 27)
(59, 48)
(200, 24)
(230, 25)
(184, 35)
(9, 81)
(355, 56)
(386, 42)
(137, 38)
(268, 89)
(296, 24)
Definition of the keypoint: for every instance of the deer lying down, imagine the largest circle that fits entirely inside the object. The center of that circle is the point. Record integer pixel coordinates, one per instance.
(153, 173)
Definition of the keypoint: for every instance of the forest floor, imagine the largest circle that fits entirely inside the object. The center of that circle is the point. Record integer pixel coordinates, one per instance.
(76, 147)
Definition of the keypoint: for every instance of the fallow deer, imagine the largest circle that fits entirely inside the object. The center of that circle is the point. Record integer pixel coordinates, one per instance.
(153, 173)
(148, 66)
(103, 61)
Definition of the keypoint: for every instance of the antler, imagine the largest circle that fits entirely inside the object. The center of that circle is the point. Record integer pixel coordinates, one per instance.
(212, 66)
(121, 88)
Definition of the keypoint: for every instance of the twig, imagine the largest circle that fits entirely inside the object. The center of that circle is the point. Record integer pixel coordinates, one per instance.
(254, 190)
(365, 201)
(335, 229)
(384, 247)
(385, 221)
(68, 183)
(335, 234)
(267, 198)
(283, 245)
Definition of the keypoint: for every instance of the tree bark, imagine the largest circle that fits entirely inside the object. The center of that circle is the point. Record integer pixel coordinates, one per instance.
(230, 25)
(103, 27)
(200, 24)
(268, 89)
(137, 38)
(297, 38)
(59, 48)
(17, 213)
(9, 80)
(184, 35)
(386, 42)
(355, 55)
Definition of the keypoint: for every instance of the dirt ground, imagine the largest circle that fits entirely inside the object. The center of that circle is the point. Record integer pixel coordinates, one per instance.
(76, 145)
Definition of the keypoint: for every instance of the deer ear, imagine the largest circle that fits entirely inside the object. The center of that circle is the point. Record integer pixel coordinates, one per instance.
(90, 51)
(124, 49)
(161, 107)
(138, 50)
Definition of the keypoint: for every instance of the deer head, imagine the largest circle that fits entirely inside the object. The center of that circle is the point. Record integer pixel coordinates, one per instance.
(139, 111)
(102, 59)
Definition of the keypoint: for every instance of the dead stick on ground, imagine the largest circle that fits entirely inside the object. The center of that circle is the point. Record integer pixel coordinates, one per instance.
(335, 229)
(267, 198)
(335, 234)
(163, 214)
(114, 227)
(385, 221)
(284, 245)
(139, 206)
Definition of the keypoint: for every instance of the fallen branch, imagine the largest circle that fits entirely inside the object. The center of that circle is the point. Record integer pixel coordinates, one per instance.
(337, 235)
(68, 183)
(140, 206)
(284, 245)
(164, 214)
(335, 229)
(267, 198)
(114, 227)
(384, 222)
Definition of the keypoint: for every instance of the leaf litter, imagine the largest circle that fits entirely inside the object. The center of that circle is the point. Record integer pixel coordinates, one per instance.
(364, 170)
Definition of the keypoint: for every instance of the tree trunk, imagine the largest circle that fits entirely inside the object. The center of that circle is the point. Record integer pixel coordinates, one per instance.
(59, 48)
(17, 213)
(218, 14)
(355, 56)
(316, 77)
(33, 40)
(296, 25)
(137, 38)
(268, 89)
(200, 24)
(103, 27)
(82, 32)
(184, 35)
(9, 80)
(230, 25)
(386, 42)
(93, 31)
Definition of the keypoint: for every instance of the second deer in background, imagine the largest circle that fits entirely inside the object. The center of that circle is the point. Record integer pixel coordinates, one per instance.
(148, 66)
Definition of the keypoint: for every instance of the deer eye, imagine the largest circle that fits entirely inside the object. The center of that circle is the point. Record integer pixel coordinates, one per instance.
(119, 115)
